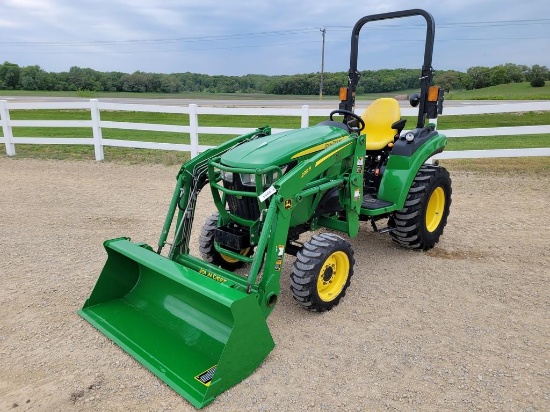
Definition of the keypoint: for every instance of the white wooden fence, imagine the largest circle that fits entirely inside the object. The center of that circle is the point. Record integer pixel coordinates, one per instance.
(96, 124)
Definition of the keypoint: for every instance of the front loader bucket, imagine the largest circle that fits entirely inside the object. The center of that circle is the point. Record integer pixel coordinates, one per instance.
(198, 335)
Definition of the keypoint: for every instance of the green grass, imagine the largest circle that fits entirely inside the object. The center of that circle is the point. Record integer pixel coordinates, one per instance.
(194, 95)
(517, 91)
(498, 142)
(112, 154)
(166, 157)
(493, 120)
(512, 91)
(183, 95)
(445, 122)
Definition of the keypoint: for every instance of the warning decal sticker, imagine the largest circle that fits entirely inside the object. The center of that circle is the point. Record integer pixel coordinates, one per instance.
(206, 377)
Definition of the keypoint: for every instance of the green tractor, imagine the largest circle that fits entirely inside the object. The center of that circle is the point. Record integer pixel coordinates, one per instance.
(199, 325)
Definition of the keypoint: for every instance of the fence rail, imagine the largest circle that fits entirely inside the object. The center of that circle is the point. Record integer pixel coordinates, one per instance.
(193, 111)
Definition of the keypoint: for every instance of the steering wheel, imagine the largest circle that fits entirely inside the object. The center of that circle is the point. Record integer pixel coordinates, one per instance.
(353, 129)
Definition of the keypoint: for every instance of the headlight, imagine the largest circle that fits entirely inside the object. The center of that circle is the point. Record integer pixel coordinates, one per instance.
(248, 179)
(267, 179)
(227, 176)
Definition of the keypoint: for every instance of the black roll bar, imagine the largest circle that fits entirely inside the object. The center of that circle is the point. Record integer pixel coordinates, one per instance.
(427, 70)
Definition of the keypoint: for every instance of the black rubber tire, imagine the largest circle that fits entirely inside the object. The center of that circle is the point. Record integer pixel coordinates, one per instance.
(410, 228)
(206, 246)
(307, 272)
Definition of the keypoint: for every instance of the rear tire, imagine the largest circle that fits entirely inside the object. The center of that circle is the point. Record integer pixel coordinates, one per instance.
(209, 252)
(322, 272)
(421, 222)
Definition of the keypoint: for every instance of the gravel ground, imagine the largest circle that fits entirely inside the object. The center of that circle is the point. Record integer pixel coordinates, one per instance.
(463, 327)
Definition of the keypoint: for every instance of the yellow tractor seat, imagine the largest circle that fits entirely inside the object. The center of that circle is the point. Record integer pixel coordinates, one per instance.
(379, 118)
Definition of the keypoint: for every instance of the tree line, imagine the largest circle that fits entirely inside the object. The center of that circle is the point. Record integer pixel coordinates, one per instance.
(14, 77)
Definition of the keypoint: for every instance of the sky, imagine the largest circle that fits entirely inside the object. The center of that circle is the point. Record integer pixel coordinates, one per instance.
(238, 37)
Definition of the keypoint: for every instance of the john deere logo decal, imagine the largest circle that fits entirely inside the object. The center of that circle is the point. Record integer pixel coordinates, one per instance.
(288, 204)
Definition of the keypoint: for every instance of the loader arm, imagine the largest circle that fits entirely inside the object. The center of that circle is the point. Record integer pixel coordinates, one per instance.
(190, 180)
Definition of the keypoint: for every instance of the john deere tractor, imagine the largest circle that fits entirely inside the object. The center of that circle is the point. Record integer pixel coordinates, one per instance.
(199, 325)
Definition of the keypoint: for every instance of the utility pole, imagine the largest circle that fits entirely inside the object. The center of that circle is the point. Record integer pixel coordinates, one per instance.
(323, 31)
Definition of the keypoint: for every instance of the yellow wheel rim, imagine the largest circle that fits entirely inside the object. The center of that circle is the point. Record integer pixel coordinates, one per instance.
(229, 259)
(434, 211)
(333, 276)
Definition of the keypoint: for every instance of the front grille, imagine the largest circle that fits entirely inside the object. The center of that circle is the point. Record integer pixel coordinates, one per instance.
(242, 206)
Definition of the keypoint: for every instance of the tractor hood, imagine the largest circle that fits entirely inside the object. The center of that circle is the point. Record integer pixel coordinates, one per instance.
(284, 147)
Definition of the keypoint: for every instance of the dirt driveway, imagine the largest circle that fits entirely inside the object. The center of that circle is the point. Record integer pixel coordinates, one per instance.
(463, 327)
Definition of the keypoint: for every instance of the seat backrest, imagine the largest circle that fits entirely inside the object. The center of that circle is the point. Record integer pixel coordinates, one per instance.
(379, 117)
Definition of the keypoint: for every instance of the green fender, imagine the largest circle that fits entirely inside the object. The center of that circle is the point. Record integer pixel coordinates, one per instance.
(401, 171)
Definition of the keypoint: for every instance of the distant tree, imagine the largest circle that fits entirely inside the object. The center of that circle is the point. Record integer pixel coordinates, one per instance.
(499, 75)
(537, 75)
(135, 82)
(83, 79)
(386, 80)
(272, 86)
(479, 76)
(10, 75)
(538, 82)
(371, 81)
(34, 78)
(169, 84)
(31, 79)
(332, 83)
(60, 81)
(516, 73)
(112, 81)
(449, 80)
(155, 81)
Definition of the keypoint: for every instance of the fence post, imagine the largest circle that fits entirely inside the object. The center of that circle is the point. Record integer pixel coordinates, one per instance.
(305, 116)
(6, 128)
(96, 130)
(194, 133)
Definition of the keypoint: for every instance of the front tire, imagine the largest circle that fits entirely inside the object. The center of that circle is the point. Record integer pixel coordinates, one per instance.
(209, 252)
(420, 224)
(322, 272)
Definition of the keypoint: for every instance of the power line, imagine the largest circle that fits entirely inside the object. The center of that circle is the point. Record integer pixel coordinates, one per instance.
(258, 35)
(287, 32)
(223, 37)
(168, 50)
(456, 39)
(494, 23)
(256, 46)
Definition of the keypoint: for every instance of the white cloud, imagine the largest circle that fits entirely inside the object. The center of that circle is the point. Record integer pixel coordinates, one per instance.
(10, 24)
(99, 34)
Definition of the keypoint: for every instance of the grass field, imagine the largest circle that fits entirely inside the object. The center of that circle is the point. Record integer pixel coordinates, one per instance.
(140, 155)
(192, 95)
(135, 95)
(517, 91)
(512, 91)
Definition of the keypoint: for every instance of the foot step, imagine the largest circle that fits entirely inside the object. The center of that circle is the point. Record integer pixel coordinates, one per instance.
(370, 202)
